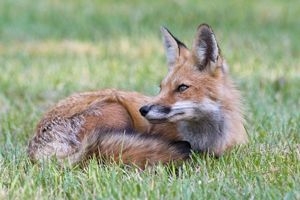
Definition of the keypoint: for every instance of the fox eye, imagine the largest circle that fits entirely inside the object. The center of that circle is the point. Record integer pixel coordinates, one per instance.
(182, 88)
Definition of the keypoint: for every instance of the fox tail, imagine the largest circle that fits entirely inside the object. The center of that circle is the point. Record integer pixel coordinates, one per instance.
(130, 148)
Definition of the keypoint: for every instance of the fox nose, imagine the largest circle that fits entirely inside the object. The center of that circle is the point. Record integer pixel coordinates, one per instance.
(145, 109)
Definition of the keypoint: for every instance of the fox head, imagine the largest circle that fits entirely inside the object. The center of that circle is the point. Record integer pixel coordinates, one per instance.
(196, 80)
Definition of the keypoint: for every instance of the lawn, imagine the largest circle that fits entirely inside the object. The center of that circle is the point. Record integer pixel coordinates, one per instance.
(50, 49)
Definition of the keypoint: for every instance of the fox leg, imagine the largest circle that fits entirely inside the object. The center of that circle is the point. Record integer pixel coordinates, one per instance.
(132, 105)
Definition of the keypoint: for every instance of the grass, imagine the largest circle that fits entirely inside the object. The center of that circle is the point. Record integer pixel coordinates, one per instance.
(50, 49)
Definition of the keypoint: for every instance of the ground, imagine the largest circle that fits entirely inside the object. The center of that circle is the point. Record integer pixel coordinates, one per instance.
(51, 49)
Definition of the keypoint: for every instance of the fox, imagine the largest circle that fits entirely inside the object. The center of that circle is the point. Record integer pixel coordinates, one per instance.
(198, 109)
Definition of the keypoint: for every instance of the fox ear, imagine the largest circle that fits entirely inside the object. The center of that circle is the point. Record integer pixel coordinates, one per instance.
(205, 47)
(172, 46)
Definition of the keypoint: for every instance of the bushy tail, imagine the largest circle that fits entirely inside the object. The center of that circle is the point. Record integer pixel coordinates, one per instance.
(136, 149)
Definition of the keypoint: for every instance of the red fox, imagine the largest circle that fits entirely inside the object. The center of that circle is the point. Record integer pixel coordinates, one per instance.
(197, 109)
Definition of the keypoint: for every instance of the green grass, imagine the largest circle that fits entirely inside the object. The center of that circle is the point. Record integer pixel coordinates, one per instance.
(50, 49)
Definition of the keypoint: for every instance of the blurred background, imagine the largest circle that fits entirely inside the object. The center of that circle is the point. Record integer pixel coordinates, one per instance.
(50, 49)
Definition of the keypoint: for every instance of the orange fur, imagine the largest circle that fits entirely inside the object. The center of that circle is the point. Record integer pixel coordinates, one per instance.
(197, 108)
